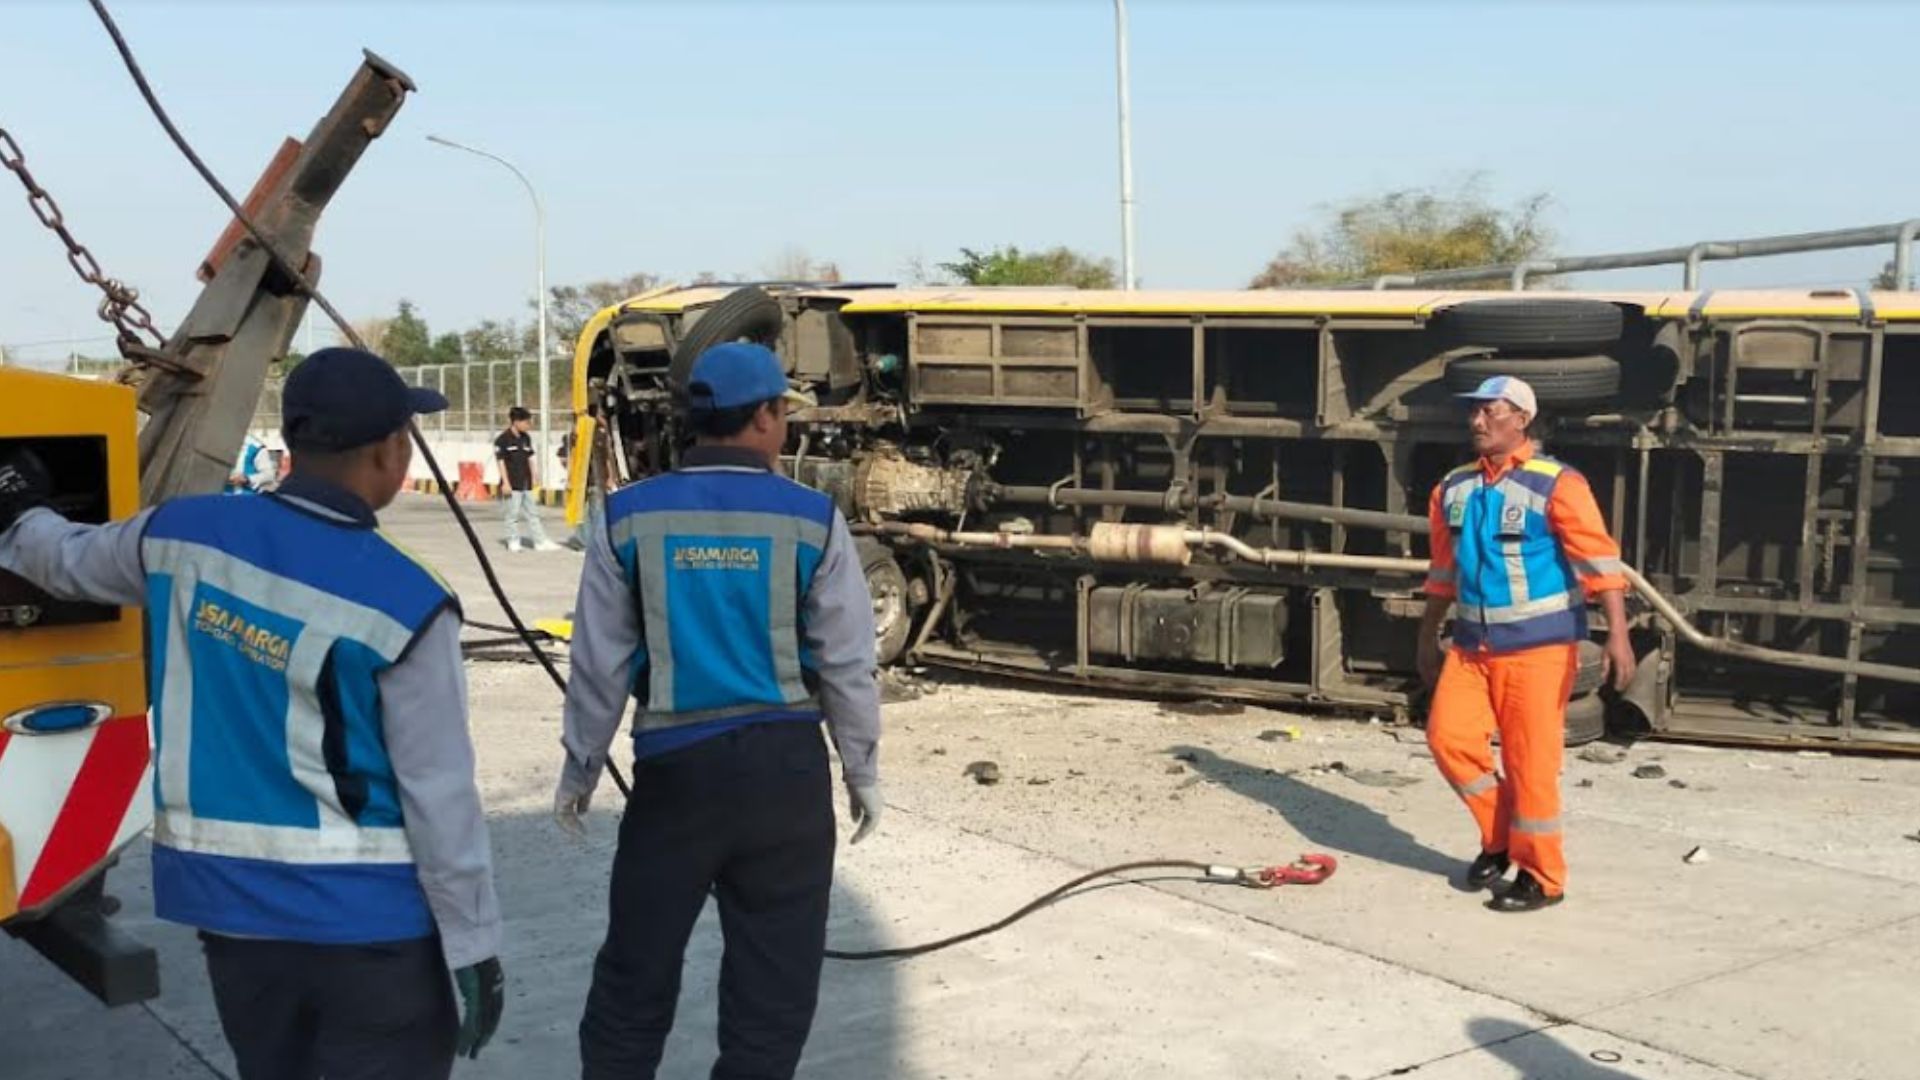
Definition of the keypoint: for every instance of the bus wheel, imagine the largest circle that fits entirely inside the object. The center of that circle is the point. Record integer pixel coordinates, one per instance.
(1586, 719)
(892, 614)
(1559, 380)
(1535, 327)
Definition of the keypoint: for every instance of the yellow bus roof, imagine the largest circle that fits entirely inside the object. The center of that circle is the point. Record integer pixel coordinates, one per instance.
(1283, 303)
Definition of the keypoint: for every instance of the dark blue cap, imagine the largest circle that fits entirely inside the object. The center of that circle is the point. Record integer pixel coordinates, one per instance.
(737, 374)
(339, 399)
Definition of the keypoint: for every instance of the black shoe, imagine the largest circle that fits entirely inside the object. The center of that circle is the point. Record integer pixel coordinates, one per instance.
(1486, 869)
(1525, 895)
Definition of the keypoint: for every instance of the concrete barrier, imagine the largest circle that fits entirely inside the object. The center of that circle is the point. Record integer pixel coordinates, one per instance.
(456, 453)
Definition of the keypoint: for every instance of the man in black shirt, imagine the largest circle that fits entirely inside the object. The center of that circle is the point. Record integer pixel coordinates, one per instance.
(514, 451)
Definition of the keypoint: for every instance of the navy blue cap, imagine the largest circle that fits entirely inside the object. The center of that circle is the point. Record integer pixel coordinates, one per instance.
(339, 399)
(736, 374)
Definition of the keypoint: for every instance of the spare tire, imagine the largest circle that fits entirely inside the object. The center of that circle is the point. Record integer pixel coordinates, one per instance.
(1562, 380)
(1546, 325)
(1586, 719)
(745, 314)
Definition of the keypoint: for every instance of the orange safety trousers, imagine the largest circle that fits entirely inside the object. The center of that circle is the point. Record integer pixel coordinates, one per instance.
(1524, 695)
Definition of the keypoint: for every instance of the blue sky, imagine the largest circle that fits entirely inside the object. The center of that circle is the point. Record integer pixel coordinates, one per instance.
(681, 137)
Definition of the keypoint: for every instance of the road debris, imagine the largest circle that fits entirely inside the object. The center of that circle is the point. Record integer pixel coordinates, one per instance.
(1175, 769)
(1681, 784)
(984, 773)
(1380, 778)
(1600, 754)
(1203, 707)
(1290, 733)
(1697, 857)
(896, 686)
(1649, 772)
(1039, 781)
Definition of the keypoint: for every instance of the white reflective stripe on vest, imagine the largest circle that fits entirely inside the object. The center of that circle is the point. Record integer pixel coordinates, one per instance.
(1513, 613)
(1513, 555)
(327, 619)
(785, 532)
(332, 615)
(180, 830)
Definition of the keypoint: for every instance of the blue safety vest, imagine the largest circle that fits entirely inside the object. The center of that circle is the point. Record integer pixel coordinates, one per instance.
(1515, 586)
(719, 560)
(249, 460)
(277, 814)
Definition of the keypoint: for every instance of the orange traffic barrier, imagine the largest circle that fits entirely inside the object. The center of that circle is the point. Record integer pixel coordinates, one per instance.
(473, 485)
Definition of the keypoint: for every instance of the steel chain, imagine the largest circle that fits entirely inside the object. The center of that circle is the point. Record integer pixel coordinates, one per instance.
(119, 303)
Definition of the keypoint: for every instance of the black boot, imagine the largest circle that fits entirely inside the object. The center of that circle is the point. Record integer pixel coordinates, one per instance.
(1525, 895)
(1486, 869)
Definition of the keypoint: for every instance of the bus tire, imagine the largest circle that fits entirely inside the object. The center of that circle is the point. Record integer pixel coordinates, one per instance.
(745, 314)
(892, 609)
(1592, 670)
(1586, 719)
(1560, 380)
(1547, 325)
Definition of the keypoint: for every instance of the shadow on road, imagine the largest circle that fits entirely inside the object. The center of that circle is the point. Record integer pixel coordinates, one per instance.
(553, 894)
(1325, 819)
(1535, 1053)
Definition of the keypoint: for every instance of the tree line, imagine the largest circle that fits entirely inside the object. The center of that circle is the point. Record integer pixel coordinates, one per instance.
(1405, 231)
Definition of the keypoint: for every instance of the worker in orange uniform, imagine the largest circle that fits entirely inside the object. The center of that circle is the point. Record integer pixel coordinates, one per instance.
(1519, 549)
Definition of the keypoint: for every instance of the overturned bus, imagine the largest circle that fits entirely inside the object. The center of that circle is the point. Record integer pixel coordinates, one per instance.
(1223, 494)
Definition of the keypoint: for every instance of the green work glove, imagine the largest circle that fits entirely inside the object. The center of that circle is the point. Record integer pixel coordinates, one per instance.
(483, 997)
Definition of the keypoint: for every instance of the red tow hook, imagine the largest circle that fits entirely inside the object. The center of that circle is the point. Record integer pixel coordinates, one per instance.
(1309, 869)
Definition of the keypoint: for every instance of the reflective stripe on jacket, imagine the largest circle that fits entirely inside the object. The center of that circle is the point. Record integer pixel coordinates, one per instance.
(277, 810)
(720, 561)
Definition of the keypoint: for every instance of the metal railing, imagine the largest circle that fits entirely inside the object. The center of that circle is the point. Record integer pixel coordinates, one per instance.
(479, 394)
(1691, 258)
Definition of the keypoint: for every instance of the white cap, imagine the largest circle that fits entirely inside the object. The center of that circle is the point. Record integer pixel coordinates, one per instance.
(1514, 392)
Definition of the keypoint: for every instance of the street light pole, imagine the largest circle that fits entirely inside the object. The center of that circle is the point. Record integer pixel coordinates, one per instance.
(1126, 147)
(540, 297)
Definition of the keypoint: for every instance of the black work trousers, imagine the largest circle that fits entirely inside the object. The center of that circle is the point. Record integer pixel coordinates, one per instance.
(748, 816)
(295, 1011)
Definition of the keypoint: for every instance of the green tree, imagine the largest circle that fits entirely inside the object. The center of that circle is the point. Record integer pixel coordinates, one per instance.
(570, 306)
(1405, 232)
(495, 340)
(407, 341)
(1009, 265)
(446, 349)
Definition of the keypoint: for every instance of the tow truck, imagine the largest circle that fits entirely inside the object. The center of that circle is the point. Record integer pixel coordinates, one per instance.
(75, 739)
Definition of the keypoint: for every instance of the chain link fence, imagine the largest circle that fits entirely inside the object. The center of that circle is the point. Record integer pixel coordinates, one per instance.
(479, 395)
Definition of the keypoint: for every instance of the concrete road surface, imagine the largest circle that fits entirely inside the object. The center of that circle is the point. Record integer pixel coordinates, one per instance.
(1787, 954)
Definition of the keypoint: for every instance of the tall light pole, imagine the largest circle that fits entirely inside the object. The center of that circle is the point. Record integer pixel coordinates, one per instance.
(540, 297)
(1126, 148)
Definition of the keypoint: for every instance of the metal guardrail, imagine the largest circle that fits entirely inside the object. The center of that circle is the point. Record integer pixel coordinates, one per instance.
(1692, 257)
(479, 394)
